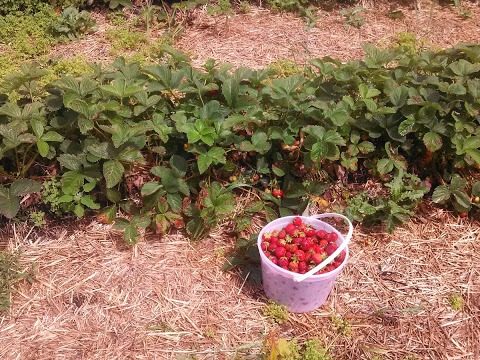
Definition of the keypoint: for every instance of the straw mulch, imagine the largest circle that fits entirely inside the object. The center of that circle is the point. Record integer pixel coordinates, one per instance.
(260, 37)
(168, 298)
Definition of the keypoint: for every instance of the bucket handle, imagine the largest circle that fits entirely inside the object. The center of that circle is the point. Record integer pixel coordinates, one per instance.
(337, 252)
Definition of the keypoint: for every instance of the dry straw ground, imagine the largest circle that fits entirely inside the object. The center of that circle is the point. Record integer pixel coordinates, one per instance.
(168, 298)
(260, 36)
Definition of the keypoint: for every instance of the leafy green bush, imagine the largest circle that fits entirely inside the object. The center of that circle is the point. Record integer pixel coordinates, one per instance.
(33, 6)
(192, 132)
(73, 23)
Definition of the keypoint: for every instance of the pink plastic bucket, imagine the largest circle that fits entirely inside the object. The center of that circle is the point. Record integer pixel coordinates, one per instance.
(307, 292)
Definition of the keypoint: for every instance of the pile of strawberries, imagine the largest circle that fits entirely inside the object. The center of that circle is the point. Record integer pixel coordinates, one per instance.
(299, 248)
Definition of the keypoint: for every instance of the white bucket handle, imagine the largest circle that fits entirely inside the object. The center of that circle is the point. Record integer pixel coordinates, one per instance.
(337, 252)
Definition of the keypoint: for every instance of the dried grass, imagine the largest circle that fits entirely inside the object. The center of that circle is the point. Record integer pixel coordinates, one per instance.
(260, 37)
(168, 297)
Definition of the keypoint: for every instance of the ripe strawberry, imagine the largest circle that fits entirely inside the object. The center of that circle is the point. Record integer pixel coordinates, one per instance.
(297, 221)
(290, 229)
(323, 243)
(310, 232)
(282, 234)
(302, 267)
(332, 237)
(306, 244)
(330, 249)
(308, 255)
(282, 242)
(317, 258)
(341, 257)
(288, 255)
(283, 262)
(273, 239)
(300, 254)
(266, 236)
(293, 266)
(277, 193)
(291, 247)
(272, 258)
(297, 241)
(321, 234)
(280, 251)
(265, 245)
(317, 248)
(272, 247)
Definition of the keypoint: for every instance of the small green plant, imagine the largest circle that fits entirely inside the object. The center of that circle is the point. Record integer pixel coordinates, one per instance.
(51, 193)
(221, 7)
(73, 23)
(10, 197)
(353, 16)
(341, 325)
(37, 218)
(455, 194)
(281, 349)
(126, 39)
(284, 68)
(149, 14)
(244, 7)
(313, 350)
(276, 312)
(456, 302)
(10, 273)
(408, 43)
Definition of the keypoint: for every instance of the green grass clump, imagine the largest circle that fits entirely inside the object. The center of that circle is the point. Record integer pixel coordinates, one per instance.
(456, 302)
(313, 350)
(126, 39)
(29, 34)
(276, 312)
(284, 68)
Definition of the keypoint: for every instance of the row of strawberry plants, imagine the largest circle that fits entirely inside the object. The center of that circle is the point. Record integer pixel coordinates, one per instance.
(166, 142)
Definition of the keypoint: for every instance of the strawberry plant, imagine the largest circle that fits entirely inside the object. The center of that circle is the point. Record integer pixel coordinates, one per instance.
(174, 144)
(10, 196)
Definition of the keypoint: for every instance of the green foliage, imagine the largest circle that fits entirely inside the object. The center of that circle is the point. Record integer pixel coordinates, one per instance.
(10, 273)
(33, 6)
(29, 34)
(455, 194)
(341, 325)
(456, 302)
(353, 16)
(405, 193)
(389, 115)
(313, 350)
(284, 349)
(73, 23)
(276, 312)
(284, 68)
(10, 196)
(37, 218)
(128, 39)
(25, 6)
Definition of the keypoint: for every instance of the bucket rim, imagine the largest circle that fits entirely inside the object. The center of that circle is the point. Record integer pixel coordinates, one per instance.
(283, 271)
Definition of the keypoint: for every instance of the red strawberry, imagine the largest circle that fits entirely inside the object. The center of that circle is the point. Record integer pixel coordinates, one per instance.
(330, 249)
(341, 257)
(272, 247)
(321, 234)
(323, 243)
(288, 255)
(283, 262)
(264, 246)
(293, 266)
(297, 221)
(307, 244)
(280, 251)
(310, 232)
(272, 258)
(302, 267)
(308, 255)
(300, 254)
(282, 234)
(266, 236)
(291, 247)
(332, 237)
(273, 239)
(317, 258)
(277, 193)
(290, 229)
(317, 248)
